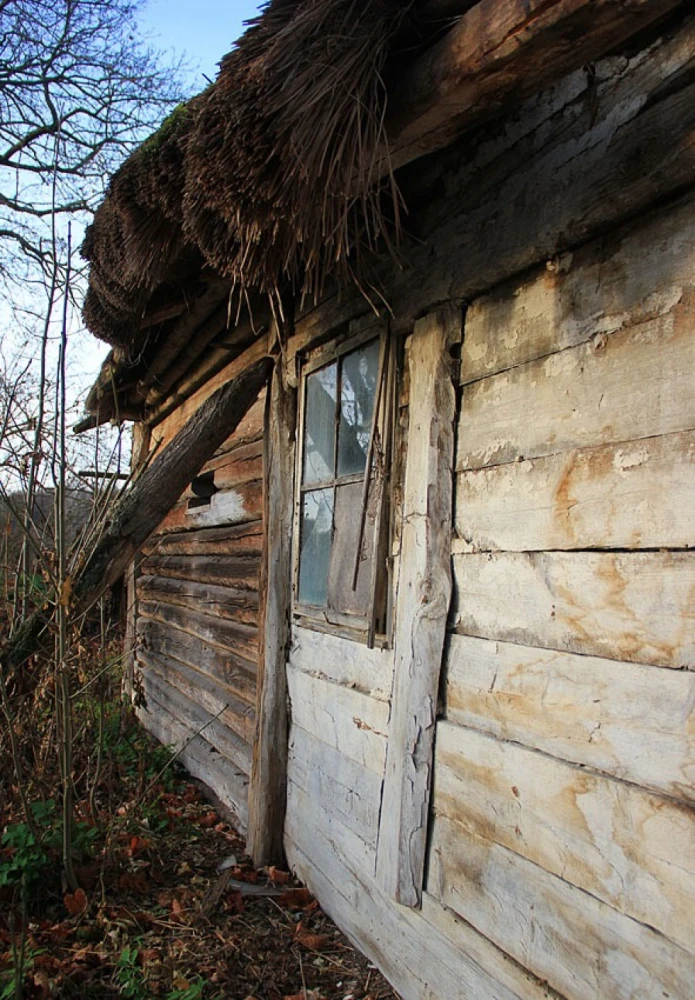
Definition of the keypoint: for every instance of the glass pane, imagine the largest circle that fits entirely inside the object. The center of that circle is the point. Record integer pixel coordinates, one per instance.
(319, 424)
(315, 546)
(348, 507)
(357, 394)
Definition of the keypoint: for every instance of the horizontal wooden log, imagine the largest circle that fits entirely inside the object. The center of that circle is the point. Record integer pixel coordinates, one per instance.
(352, 847)
(632, 384)
(628, 720)
(625, 279)
(221, 602)
(202, 761)
(346, 720)
(607, 497)
(241, 464)
(193, 717)
(574, 163)
(344, 790)
(497, 54)
(228, 667)
(634, 606)
(342, 661)
(219, 571)
(198, 693)
(582, 947)
(631, 849)
(237, 540)
(435, 957)
(226, 634)
(241, 343)
(239, 505)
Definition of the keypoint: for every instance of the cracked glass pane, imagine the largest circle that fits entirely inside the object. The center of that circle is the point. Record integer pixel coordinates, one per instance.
(360, 370)
(319, 425)
(315, 546)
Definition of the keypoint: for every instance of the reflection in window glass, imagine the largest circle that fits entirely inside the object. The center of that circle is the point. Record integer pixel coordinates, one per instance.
(319, 427)
(359, 374)
(315, 546)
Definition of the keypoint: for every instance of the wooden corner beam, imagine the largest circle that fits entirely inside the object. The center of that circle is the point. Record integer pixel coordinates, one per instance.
(268, 785)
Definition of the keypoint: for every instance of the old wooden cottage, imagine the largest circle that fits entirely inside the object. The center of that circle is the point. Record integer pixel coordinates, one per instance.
(426, 608)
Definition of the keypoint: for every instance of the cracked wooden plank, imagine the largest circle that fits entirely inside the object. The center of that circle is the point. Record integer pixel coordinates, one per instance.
(630, 848)
(349, 721)
(560, 702)
(635, 606)
(581, 946)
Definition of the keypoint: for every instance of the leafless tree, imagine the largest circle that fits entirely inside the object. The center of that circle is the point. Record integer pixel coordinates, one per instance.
(78, 89)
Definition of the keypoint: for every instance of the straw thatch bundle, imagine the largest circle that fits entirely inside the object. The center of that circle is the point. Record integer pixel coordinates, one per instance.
(269, 173)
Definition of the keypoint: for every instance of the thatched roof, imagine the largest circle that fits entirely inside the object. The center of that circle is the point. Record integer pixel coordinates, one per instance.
(269, 173)
(281, 173)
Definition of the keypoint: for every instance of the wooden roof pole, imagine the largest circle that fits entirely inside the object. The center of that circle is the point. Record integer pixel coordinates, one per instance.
(499, 52)
(145, 505)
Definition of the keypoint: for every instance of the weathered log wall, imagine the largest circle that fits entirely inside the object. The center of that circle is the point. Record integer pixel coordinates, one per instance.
(565, 765)
(197, 614)
(561, 857)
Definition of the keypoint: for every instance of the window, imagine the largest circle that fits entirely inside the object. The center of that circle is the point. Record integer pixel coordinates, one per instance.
(343, 462)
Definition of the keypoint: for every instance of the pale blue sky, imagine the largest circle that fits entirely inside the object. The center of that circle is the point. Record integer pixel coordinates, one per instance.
(204, 30)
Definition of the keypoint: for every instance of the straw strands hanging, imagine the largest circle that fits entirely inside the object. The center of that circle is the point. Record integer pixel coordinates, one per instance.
(269, 175)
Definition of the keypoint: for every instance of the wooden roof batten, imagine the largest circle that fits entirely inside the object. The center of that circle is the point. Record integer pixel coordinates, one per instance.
(493, 55)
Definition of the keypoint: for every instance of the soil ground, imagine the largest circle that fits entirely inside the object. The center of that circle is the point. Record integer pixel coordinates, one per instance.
(155, 917)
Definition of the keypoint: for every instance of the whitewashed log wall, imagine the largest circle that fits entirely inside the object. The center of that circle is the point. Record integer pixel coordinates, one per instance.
(564, 826)
(561, 852)
(197, 617)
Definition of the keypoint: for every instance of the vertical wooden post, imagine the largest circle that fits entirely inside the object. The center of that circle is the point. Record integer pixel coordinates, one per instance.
(268, 786)
(422, 606)
(139, 451)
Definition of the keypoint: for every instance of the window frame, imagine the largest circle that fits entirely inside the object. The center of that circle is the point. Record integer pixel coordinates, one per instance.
(352, 626)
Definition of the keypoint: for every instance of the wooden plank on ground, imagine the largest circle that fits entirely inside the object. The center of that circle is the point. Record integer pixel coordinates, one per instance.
(635, 606)
(629, 720)
(583, 948)
(344, 789)
(622, 280)
(630, 848)
(607, 497)
(422, 605)
(635, 383)
(347, 720)
(343, 661)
